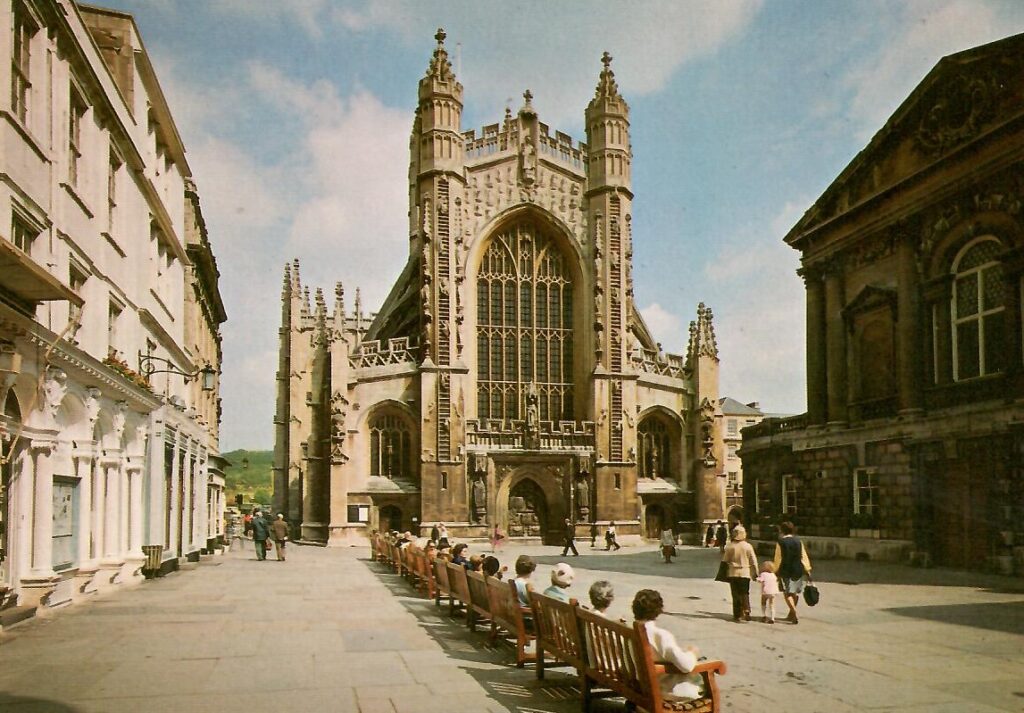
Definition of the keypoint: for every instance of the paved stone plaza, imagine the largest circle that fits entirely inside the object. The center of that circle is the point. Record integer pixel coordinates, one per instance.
(329, 631)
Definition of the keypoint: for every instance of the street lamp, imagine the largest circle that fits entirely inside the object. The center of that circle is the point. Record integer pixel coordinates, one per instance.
(148, 365)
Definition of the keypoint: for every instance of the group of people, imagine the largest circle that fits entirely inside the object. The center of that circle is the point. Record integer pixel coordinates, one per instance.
(785, 574)
(264, 530)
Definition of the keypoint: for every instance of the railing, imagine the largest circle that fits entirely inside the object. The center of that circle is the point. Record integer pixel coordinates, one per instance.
(654, 362)
(371, 353)
(497, 434)
(773, 426)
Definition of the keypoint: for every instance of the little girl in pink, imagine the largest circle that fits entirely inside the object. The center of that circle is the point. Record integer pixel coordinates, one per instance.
(769, 588)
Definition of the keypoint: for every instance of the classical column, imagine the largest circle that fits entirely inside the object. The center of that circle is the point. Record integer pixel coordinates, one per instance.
(938, 293)
(99, 506)
(42, 511)
(135, 543)
(1013, 268)
(22, 517)
(83, 532)
(816, 387)
(835, 351)
(909, 326)
(112, 529)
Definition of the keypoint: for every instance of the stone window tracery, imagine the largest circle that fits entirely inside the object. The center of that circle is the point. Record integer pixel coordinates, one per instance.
(979, 295)
(654, 448)
(524, 326)
(390, 447)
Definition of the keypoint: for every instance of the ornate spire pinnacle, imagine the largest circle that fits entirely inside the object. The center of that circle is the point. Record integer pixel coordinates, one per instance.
(440, 67)
(339, 304)
(296, 280)
(707, 344)
(606, 86)
(286, 288)
(359, 304)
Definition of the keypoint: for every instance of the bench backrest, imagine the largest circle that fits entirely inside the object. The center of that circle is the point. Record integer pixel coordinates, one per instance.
(457, 582)
(505, 609)
(478, 593)
(619, 657)
(441, 576)
(558, 630)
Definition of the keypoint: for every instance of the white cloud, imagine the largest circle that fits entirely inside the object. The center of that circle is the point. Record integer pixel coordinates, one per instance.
(758, 303)
(920, 33)
(665, 326)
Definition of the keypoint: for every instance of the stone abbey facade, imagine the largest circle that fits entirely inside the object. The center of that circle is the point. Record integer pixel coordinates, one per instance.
(508, 379)
(912, 446)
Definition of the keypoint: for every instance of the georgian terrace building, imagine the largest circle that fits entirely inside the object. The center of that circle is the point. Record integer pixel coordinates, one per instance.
(108, 296)
(508, 379)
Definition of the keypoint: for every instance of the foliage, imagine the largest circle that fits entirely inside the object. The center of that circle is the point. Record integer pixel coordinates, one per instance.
(249, 472)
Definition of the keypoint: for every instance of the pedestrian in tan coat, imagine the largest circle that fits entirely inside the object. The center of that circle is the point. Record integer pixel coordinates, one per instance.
(279, 529)
(741, 567)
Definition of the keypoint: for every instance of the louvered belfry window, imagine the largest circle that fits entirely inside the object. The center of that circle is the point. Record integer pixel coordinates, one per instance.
(524, 326)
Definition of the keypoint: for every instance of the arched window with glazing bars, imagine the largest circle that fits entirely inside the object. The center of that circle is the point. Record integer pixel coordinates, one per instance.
(391, 447)
(654, 448)
(979, 294)
(524, 326)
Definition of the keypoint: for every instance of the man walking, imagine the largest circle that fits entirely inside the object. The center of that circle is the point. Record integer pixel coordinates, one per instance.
(280, 531)
(260, 533)
(570, 536)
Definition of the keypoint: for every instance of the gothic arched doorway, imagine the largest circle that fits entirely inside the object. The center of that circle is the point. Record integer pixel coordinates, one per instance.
(390, 518)
(527, 510)
(654, 520)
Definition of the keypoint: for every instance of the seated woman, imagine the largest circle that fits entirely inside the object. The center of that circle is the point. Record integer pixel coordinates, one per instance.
(601, 596)
(524, 569)
(459, 554)
(675, 685)
(561, 579)
(492, 567)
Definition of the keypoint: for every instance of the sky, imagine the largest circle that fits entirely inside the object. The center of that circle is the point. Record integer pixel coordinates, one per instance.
(296, 117)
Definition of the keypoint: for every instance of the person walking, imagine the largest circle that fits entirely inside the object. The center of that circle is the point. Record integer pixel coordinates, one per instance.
(442, 536)
(769, 588)
(435, 533)
(709, 536)
(668, 545)
(570, 537)
(741, 564)
(593, 535)
(791, 565)
(497, 539)
(721, 536)
(279, 528)
(260, 534)
(609, 538)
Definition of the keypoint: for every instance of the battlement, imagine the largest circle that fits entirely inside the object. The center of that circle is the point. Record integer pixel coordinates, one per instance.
(511, 434)
(651, 361)
(375, 353)
(494, 143)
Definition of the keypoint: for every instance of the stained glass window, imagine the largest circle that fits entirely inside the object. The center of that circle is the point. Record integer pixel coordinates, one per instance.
(654, 450)
(390, 447)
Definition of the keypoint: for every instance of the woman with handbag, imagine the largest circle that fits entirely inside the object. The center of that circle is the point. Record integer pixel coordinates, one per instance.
(791, 564)
(740, 567)
(668, 545)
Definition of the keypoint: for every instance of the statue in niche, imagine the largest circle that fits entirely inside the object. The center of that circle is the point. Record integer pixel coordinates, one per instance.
(479, 499)
(532, 410)
(654, 462)
(583, 497)
(529, 163)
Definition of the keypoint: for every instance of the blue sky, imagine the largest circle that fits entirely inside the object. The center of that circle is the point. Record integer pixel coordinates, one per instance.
(296, 118)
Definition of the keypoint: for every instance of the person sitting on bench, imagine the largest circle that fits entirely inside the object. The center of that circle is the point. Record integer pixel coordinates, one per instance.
(677, 685)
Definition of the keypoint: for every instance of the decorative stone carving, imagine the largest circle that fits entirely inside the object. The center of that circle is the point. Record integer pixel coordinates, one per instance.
(92, 405)
(55, 388)
(962, 105)
(583, 498)
(119, 419)
(479, 499)
(479, 463)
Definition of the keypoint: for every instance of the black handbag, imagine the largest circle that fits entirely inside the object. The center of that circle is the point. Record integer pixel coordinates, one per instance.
(811, 594)
(723, 572)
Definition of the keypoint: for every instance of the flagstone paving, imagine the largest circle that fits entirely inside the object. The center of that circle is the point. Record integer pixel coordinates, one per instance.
(330, 631)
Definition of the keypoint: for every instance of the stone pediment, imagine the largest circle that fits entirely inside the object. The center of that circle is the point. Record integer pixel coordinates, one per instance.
(963, 98)
(871, 297)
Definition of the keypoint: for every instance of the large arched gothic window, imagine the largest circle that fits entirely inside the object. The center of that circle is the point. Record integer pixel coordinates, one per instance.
(391, 447)
(654, 450)
(524, 326)
(979, 295)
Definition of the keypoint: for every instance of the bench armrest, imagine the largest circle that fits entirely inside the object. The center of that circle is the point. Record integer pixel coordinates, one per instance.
(701, 667)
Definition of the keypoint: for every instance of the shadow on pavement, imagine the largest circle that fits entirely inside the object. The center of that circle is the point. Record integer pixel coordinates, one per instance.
(492, 666)
(24, 704)
(1007, 617)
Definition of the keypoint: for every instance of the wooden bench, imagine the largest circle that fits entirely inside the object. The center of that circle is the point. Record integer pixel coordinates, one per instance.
(425, 574)
(619, 657)
(507, 614)
(458, 588)
(478, 607)
(442, 587)
(558, 632)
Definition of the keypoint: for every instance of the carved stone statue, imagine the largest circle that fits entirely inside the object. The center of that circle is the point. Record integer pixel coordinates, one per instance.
(479, 499)
(532, 410)
(583, 497)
